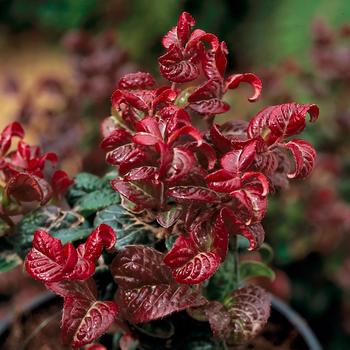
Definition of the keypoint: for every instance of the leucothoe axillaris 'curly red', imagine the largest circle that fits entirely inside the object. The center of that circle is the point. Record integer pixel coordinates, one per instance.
(202, 185)
(207, 183)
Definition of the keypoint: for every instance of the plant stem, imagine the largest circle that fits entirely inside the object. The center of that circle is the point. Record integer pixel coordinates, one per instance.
(236, 260)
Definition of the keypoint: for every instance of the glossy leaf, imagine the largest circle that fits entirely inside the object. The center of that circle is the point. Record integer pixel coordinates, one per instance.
(234, 80)
(84, 320)
(239, 160)
(176, 68)
(25, 187)
(189, 264)
(48, 261)
(304, 156)
(92, 202)
(195, 258)
(139, 80)
(254, 233)
(249, 313)
(193, 193)
(146, 288)
(136, 192)
(207, 98)
(60, 182)
(181, 165)
(142, 173)
(277, 122)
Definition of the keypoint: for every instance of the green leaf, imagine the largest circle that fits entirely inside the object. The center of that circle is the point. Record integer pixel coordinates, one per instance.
(250, 269)
(266, 253)
(129, 228)
(223, 282)
(49, 218)
(24, 230)
(97, 200)
(170, 240)
(83, 183)
(71, 234)
(9, 260)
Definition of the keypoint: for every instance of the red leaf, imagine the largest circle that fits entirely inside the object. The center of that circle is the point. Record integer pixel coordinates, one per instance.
(183, 28)
(180, 33)
(220, 141)
(255, 235)
(145, 139)
(195, 258)
(219, 319)
(84, 268)
(146, 288)
(250, 312)
(60, 182)
(304, 156)
(151, 126)
(74, 289)
(214, 62)
(193, 193)
(234, 80)
(205, 153)
(251, 204)
(48, 261)
(163, 97)
(182, 163)
(25, 187)
(142, 173)
(189, 264)
(84, 320)
(116, 138)
(277, 122)
(11, 130)
(243, 318)
(176, 68)
(211, 106)
(223, 181)
(139, 80)
(128, 153)
(136, 192)
(129, 98)
(239, 160)
(102, 236)
(186, 130)
(207, 98)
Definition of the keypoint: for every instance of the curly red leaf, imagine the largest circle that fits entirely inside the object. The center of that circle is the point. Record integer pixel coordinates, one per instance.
(304, 156)
(233, 82)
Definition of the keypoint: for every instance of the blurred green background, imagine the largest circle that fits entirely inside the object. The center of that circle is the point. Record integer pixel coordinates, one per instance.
(59, 61)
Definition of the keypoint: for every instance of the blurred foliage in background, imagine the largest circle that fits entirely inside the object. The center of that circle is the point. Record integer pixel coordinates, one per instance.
(56, 56)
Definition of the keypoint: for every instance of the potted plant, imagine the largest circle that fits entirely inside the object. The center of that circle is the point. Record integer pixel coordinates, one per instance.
(151, 251)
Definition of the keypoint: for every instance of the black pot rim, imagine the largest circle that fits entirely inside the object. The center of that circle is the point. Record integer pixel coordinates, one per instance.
(297, 321)
(279, 305)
